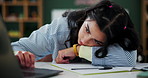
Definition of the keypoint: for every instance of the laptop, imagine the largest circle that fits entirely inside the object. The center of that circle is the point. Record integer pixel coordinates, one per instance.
(9, 65)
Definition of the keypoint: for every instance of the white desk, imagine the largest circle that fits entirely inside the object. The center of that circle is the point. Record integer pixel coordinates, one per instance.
(68, 74)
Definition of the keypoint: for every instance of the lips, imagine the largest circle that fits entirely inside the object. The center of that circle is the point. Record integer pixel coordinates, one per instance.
(81, 43)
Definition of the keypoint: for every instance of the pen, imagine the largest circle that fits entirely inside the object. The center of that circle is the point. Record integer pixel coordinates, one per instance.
(142, 69)
(102, 68)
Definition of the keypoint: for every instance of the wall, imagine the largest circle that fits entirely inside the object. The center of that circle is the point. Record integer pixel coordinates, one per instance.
(56, 4)
(134, 7)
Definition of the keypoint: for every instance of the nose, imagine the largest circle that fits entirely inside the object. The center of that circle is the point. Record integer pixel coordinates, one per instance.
(87, 40)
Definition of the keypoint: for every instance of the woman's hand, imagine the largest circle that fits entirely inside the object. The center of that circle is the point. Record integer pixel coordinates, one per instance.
(65, 55)
(26, 59)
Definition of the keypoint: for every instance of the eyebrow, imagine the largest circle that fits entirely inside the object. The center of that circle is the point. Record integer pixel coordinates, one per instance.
(88, 27)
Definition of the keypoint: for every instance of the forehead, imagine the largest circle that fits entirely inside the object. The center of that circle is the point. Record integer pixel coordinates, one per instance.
(89, 20)
(91, 23)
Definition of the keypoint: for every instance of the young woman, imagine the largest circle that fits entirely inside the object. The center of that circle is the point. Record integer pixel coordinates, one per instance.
(105, 31)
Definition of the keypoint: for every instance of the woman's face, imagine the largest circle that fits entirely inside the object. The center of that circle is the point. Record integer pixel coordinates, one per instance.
(90, 34)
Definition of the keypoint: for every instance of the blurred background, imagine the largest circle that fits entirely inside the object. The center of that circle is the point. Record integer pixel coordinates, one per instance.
(24, 16)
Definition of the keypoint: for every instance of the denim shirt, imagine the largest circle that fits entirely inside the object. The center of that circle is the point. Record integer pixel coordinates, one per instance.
(50, 38)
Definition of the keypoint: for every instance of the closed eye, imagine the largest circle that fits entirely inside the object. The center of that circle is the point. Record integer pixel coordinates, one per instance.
(99, 42)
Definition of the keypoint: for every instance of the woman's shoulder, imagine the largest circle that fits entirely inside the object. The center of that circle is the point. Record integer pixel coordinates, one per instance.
(60, 24)
(57, 25)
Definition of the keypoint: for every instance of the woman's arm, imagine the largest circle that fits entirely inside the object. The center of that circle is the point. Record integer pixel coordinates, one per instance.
(116, 56)
(43, 42)
(37, 43)
(33, 47)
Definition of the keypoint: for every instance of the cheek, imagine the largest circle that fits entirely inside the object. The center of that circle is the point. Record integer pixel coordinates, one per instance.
(81, 31)
(102, 37)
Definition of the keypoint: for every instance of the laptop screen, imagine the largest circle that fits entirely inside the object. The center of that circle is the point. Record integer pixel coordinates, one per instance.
(9, 67)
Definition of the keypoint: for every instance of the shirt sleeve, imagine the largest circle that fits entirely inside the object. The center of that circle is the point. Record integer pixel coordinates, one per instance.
(42, 41)
(116, 56)
(37, 43)
(85, 52)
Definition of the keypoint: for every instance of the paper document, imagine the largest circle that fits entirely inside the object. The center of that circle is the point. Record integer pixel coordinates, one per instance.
(88, 69)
